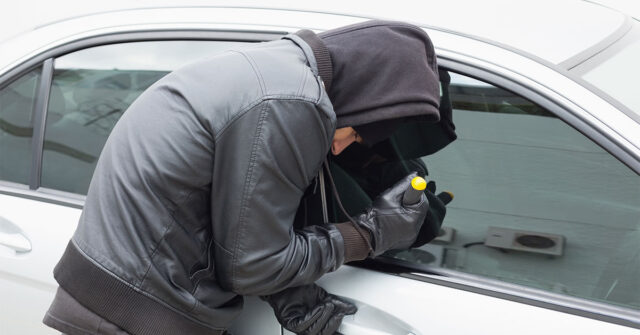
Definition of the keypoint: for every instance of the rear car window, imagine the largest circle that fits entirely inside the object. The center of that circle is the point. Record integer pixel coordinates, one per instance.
(90, 91)
(17, 104)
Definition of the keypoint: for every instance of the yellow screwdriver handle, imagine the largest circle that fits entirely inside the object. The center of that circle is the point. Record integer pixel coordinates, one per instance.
(414, 191)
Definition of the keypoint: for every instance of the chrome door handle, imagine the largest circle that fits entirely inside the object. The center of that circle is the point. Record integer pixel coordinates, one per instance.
(13, 237)
(348, 327)
(351, 326)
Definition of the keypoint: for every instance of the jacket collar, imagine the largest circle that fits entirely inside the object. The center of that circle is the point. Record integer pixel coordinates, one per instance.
(322, 55)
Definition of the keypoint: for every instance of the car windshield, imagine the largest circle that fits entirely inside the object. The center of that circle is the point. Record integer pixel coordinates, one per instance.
(615, 70)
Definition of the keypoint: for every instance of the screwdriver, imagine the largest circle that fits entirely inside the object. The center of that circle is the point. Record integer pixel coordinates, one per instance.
(414, 191)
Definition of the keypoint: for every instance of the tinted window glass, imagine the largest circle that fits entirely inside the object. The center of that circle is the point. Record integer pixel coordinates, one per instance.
(91, 89)
(17, 102)
(536, 202)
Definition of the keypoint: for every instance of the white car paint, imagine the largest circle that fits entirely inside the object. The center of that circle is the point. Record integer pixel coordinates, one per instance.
(630, 7)
(443, 310)
(393, 305)
(390, 303)
(26, 279)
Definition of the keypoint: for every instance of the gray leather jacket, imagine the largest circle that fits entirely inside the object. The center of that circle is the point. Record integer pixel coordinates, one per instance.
(193, 199)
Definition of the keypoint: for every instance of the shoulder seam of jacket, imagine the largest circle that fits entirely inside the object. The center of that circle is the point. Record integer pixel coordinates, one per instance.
(303, 81)
(245, 192)
(254, 66)
(257, 102)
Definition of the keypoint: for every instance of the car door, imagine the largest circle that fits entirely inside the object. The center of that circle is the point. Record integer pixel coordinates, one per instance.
(54, 121)
(542, 235)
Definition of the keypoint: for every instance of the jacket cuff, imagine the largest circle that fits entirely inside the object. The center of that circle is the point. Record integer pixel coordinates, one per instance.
(356, 244)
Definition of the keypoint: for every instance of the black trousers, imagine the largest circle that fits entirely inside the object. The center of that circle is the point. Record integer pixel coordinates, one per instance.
(69, 317)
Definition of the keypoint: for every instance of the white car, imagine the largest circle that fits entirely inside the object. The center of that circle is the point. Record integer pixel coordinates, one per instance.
(543, 236)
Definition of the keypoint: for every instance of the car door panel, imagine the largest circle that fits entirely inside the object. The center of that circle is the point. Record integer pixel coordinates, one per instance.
(27, 285)
(391, 304)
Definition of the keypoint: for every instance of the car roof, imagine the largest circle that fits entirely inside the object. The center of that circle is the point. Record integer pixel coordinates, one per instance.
(553, 30)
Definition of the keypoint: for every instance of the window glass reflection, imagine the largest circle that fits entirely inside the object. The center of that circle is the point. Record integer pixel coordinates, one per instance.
(17, 103)
(91, 89)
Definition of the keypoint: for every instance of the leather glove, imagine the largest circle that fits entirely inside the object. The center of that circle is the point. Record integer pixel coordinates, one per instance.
(309, 309)
(437, 210)
(390, 223)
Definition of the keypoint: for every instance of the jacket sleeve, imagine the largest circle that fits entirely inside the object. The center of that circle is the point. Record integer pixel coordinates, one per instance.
(263, 162)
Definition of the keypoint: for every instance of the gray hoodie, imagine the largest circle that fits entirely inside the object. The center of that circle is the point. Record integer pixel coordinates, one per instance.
(382, 72)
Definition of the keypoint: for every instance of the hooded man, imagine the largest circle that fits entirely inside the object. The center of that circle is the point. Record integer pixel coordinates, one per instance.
(194, 196)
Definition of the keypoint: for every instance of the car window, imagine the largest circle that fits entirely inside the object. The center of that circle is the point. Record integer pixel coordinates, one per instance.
(17, 103)
(536, 203)
(90, 91)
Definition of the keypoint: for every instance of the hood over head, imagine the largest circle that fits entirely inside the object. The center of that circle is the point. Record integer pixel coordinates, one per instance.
(382, 71)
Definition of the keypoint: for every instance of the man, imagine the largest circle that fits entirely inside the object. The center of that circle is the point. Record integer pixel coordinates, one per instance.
(192, 202)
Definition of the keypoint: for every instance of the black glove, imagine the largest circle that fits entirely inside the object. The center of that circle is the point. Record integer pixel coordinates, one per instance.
(392, 225)
(309, 309)
(437, 210)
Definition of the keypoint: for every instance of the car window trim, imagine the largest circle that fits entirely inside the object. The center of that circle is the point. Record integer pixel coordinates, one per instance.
(42, 195)
(39, 121)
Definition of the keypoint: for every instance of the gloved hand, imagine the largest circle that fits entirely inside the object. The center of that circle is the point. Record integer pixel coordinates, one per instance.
(435, 215)
(309, 309)
(390, 223)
